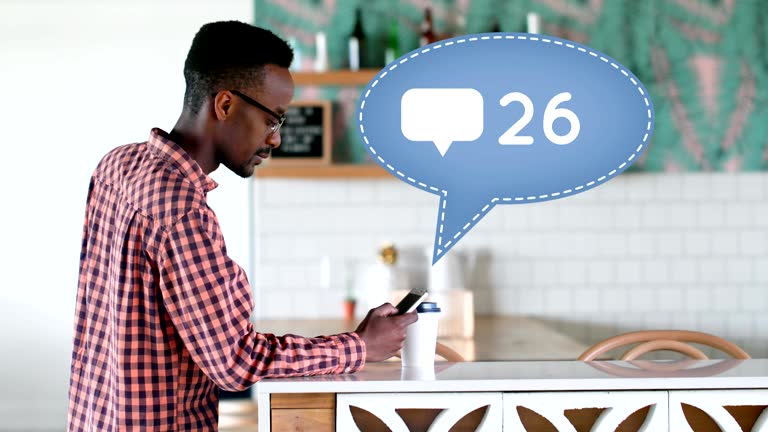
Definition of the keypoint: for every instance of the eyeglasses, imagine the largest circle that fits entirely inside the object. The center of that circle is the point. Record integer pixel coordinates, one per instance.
(280, 118)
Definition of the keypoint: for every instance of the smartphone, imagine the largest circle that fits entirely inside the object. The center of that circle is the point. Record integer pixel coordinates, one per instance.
(411, 300)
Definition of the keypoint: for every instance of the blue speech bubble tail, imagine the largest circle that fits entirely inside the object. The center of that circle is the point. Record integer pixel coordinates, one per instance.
(443, 146)
(457, 214)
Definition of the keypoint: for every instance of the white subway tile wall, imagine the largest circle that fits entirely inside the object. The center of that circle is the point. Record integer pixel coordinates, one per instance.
(643, 251)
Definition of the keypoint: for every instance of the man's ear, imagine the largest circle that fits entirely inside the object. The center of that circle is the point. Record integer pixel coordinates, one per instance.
(222, 105)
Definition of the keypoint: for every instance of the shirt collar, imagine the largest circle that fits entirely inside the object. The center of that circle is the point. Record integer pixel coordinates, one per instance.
(161, 145)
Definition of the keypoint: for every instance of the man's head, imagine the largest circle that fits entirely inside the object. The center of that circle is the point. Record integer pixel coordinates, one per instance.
(238, 81)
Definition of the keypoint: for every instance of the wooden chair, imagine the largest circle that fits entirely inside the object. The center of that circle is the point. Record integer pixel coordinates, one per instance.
(663, 340)
(447, 353)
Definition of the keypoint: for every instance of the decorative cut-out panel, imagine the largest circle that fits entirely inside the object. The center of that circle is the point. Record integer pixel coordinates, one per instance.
(432, 412)
(731, 410)
(644, 411)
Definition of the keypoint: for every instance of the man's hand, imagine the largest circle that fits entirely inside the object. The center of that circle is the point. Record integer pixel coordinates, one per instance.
(384, 332)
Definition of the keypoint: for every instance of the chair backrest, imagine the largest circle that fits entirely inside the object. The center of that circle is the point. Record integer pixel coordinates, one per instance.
(663, 340)
(447, 353)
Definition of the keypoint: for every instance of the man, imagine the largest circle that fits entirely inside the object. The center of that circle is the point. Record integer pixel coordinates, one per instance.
(162, 315)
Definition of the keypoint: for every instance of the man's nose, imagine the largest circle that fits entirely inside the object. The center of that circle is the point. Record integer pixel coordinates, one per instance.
(274, 140)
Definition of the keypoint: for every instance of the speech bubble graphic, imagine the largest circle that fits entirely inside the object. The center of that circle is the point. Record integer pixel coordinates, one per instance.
(441, 116)
(516, 119)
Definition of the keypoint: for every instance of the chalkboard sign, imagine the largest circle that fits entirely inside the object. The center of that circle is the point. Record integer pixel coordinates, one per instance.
(305, 135)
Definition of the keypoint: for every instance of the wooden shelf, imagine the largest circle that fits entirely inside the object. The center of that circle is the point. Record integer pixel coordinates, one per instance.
(336, 77)
(330, 78)
(323, 171)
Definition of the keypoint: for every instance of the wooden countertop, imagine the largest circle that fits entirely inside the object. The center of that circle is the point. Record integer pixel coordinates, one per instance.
(496, 338)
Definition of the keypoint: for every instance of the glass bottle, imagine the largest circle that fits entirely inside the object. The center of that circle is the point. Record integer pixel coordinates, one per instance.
(393, 43)
(321, 52)
(296, 65)
(358, 44)
(427, 32)
(533, 22)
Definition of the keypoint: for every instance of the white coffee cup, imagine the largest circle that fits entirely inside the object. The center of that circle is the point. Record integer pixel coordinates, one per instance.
(426, 373)
(421, 338)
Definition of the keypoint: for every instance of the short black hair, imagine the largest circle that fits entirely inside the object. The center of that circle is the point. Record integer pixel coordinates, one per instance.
(230, 55)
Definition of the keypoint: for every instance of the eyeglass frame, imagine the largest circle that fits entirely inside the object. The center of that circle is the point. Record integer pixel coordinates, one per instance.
(253, 102)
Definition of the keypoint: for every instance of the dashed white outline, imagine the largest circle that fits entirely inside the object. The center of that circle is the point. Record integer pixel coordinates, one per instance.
(485, 208)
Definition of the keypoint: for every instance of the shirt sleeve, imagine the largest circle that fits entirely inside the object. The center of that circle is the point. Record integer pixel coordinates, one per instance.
(208, 299)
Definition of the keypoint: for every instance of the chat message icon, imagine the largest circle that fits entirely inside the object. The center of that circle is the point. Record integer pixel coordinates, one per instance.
(516, 118)
(441, 115)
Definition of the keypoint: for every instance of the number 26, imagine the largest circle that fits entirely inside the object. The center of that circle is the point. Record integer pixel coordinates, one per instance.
(551, 113)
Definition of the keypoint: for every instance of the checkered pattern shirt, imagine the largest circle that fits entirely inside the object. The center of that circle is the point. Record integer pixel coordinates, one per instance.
(162, 315)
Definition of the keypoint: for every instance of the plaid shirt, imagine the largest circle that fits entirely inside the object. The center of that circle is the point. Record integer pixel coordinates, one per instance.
(162, 315)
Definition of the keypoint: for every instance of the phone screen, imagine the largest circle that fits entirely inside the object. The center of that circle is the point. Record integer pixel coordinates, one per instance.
(410, 301)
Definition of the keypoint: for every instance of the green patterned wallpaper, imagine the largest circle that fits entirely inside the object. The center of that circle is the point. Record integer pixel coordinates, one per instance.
(705, 62)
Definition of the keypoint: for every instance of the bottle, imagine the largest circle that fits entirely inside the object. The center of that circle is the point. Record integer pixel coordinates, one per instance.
(321, 52)
(393, 43)
(357, 44)
(533, 22)
(296, 65)
(427, 32)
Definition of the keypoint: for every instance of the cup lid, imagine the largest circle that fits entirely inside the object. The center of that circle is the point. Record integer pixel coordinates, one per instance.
(427, 307)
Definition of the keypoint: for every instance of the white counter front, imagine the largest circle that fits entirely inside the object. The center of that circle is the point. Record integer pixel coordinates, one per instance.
(549, 388)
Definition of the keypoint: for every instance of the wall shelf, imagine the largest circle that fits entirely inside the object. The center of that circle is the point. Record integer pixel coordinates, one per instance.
(323, 171)
(335, 77)
(333, 170)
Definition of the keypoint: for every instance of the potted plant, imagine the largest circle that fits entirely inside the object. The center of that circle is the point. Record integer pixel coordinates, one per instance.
(349, 308)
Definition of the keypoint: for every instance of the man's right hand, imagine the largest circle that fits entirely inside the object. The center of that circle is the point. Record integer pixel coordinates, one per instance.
(384, 332)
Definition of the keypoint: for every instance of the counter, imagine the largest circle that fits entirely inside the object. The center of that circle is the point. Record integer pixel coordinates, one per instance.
(496, 338)
(497, 395)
